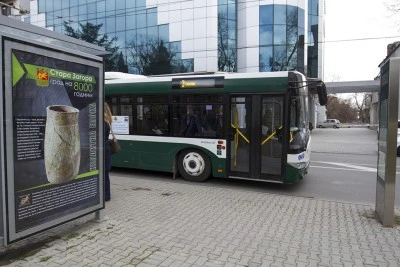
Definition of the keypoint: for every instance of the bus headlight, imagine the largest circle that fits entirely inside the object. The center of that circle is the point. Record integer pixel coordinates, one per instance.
(299, 165)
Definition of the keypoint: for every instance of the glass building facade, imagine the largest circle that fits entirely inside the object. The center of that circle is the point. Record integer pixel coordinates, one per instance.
(199, 35)
(281, 38)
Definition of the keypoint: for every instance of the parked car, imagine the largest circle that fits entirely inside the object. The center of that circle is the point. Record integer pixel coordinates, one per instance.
(330, 123)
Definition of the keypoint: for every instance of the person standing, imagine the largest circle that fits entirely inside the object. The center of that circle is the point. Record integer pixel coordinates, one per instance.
(107, 151)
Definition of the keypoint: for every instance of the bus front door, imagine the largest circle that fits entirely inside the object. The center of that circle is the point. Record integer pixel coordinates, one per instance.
(256, 137)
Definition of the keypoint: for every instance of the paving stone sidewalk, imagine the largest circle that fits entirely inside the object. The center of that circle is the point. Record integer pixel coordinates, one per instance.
(165, 223)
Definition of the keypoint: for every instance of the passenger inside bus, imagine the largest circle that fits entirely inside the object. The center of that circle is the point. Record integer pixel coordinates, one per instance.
(190, 123)
(213, 122)
(148, 125)
(162, 122)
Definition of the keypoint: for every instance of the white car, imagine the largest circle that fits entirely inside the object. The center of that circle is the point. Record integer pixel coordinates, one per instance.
(330, 123)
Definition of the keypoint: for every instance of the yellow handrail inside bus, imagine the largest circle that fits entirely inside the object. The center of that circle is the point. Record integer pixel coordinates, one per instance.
(274, 133)
(240, 133)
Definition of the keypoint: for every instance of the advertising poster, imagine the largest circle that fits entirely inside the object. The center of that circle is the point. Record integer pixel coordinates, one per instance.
(56, 126)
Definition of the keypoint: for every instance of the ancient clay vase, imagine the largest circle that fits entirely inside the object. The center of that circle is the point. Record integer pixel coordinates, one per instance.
(62, 153)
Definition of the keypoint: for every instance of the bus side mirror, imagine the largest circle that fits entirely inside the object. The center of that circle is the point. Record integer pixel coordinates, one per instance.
(322, 94)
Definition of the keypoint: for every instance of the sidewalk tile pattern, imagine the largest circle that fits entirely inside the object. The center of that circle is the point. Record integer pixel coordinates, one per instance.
(172, 223)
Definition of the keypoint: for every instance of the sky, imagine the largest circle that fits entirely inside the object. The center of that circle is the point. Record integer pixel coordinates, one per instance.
(357, 60)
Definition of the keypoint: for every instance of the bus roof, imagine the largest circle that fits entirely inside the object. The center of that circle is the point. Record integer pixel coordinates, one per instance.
(114, 75)
(133, 78)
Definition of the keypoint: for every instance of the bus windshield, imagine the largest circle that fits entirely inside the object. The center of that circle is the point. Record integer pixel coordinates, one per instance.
(299, 121)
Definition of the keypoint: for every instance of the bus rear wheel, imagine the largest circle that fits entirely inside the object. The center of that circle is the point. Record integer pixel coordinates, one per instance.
(194, 165)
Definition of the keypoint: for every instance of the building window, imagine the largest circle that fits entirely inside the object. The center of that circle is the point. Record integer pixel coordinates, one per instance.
(281, 38)
(227, 35)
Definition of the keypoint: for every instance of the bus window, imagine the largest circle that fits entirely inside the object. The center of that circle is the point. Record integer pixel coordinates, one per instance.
(126, 110)
(154, 120)
(197, 120)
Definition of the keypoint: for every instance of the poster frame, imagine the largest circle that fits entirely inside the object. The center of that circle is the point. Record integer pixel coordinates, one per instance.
(8, 43)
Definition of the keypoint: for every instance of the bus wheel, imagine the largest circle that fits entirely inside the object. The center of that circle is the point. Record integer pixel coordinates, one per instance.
(194, 165)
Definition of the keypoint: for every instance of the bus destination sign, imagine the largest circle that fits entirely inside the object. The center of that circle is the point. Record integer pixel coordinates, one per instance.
(195, 83)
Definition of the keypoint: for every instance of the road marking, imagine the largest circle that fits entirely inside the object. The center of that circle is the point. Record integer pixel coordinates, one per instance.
(349, 167)
(346, 169)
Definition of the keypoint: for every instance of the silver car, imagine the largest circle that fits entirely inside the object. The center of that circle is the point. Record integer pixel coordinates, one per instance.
(330, 123)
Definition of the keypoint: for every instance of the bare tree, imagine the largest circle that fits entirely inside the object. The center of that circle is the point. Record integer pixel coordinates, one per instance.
(363, 103)
(393, 6)
(341, 109)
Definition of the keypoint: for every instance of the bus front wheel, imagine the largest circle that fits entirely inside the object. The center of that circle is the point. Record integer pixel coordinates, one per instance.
(194, 165)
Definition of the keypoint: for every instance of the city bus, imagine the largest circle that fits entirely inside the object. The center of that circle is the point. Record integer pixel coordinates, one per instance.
(251, 126)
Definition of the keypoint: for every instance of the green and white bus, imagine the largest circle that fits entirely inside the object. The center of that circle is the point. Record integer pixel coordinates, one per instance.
(232, 125)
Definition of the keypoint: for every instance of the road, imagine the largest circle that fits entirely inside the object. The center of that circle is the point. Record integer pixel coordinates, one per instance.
(343, 168)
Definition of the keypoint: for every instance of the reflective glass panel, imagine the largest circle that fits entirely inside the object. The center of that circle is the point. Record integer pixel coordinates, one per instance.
(151, 17)
(141, 20)
(279, 57)
(130, 4)
(223, 11)
(58, 28)
(300, 18)
(100, 6)
(120, 22)
(110, 24)
(279, 14)
(120, 4)
(49, 5)
(41, 6)
(175, 46)
(57, 5)
(232, 11)
(130, 36)
(141, 35)
(91, 10)
(65, 13)
(74, 11)
(152, 33)
(163, 32)
(266, 35)
(130, 22)
(314, 7)
(266, 14)
(292, 57)
(231, 29)
(121, 39)
(292, 16)
(110, 5)
(101, 21)
(141, 4)
(65, 4)
(291, 34)
(279, 34)
(266, 58)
